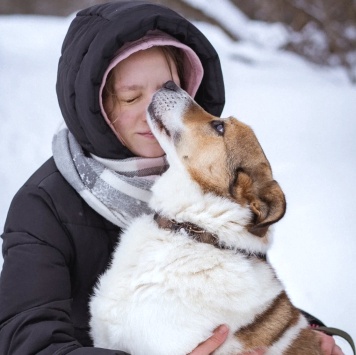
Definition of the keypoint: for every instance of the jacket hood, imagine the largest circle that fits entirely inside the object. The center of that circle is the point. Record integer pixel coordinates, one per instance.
(93, 39)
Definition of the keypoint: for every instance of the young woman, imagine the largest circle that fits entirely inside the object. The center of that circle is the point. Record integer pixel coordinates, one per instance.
(64, 222)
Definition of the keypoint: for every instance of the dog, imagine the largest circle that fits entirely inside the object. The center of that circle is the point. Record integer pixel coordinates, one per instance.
(200, 260)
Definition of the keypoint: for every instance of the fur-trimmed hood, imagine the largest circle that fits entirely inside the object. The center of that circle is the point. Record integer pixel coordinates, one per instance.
(92, 40)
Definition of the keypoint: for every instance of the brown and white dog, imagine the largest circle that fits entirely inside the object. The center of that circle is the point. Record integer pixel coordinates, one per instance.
(200, 260)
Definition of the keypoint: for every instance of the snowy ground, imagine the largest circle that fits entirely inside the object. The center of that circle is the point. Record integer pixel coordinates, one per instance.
(304, 116)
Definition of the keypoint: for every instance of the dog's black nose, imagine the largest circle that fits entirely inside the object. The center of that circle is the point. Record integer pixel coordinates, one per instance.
(171, 85)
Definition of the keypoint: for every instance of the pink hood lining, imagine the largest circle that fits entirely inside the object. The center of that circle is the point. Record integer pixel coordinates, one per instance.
(193, 69)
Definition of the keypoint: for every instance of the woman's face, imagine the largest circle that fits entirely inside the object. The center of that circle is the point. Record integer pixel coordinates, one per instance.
(136, 79)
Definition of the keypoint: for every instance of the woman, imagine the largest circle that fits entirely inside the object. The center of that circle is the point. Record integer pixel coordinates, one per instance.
(64, 222)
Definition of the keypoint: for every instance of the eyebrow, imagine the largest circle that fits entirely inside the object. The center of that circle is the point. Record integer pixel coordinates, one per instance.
(133, 87)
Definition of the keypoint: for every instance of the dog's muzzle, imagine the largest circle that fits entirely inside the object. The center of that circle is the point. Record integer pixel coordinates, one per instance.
(167, 108)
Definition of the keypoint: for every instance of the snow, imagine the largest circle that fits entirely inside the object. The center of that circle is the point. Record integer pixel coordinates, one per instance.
(303, 115)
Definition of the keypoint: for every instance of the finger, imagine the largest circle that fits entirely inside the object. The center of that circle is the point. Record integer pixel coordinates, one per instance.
(327, 344)
(211, 344)
(337, 351)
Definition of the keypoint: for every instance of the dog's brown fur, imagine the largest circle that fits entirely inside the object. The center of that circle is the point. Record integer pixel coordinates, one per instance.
(237, 171)
(270, 325)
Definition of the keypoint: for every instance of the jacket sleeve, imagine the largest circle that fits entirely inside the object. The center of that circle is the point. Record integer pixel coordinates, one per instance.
(35, 283)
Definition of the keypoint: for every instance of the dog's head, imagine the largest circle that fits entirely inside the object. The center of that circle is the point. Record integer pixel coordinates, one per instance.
(222, 155)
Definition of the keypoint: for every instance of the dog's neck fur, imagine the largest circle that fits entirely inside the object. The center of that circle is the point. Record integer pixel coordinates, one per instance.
(201, 235)
(178, 197)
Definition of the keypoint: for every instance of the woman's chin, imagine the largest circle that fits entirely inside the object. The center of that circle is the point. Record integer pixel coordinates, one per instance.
(149, 151)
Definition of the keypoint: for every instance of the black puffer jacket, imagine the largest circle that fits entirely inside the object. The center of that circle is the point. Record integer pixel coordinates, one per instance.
(54, 244)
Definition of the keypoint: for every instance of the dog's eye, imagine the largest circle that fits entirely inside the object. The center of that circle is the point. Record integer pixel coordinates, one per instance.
(219, 127)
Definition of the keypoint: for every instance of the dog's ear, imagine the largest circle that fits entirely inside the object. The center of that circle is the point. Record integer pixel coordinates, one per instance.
(264, 197)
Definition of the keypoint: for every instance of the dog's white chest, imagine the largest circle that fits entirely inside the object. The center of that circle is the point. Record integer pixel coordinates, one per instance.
(168, 285)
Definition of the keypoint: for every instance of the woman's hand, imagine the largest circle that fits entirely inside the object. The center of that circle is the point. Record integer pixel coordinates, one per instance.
(328, 345)
(218, 337)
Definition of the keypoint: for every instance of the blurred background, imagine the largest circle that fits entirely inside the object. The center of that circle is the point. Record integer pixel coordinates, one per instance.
(322, 31)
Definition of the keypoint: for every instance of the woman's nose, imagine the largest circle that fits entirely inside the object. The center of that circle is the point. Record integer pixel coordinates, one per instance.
(144, 110)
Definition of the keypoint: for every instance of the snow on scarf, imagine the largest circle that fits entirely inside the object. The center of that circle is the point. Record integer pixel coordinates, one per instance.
(118, 190)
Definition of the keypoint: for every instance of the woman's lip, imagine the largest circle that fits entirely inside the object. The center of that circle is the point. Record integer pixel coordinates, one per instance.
(146, 134)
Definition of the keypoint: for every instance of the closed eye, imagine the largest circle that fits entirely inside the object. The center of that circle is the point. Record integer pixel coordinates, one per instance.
(129, 101)
(218, 126)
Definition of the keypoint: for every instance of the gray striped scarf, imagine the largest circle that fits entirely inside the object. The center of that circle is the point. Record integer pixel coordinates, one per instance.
(119, 190)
